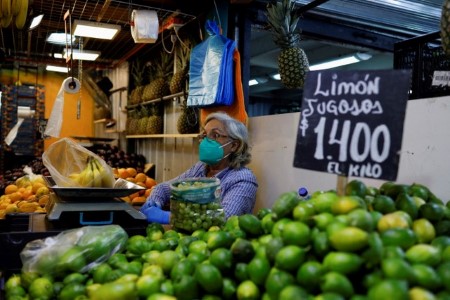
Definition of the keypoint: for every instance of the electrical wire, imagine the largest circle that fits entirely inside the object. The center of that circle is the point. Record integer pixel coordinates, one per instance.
(173, 40)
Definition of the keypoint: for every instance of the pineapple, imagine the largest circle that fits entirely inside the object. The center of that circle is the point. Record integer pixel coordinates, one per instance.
(188, 120)
(178, 81)
(445, 27)
(292, 61)
(137, 70)
(129, 121)
(159, 87)
(133, 125)
(143, 120)
(155, 121)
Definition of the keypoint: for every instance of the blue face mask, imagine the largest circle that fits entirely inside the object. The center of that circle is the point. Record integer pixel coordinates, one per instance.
(211, 151)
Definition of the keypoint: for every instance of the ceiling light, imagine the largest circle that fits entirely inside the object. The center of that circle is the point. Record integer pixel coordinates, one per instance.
(60, 38)
(276, 76)
(82, 55)
(36, 21)
(57, 69)
(95, 29)
(252, 82)
(357, 57)
(340, 62)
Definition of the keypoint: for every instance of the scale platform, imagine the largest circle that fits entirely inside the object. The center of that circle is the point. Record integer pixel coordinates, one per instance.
(92, 211)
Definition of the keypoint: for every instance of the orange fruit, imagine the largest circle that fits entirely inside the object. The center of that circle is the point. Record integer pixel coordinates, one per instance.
(150, 182)
(11, 208)
(140, 177)
(123, 173)
(15, 197)
(25, 193)
(134, 195)
(138, 200)
(35, 186)
(12, 188)
(43, 200)
(131, 171)
(42, 191)
(31, 198)
(131, 179)
(126, 199)
(147, 193)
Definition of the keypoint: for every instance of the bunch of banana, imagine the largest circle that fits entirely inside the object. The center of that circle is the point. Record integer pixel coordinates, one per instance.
(106, 178)
(5, 13)
(93, 175)
(13, 8)
(19, 10)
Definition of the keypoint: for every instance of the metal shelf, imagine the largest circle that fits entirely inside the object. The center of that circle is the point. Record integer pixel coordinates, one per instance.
(159, 136)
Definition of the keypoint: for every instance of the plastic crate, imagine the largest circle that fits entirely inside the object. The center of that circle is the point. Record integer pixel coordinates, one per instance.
(423, 55)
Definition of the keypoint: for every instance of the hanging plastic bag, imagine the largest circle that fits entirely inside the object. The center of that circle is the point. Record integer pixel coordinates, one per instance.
(211, 76)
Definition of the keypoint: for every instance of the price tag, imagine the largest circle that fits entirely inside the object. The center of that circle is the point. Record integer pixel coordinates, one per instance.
(351, 122)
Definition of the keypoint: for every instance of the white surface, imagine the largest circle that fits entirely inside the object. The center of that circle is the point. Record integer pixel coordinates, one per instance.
(424, 156)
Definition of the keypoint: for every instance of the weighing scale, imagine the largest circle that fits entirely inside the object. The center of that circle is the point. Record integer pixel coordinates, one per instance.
(93, 206)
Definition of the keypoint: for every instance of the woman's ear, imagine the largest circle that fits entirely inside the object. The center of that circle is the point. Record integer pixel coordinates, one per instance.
(235, 145)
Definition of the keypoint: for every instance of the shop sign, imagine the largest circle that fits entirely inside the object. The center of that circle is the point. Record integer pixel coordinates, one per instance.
(351, 122)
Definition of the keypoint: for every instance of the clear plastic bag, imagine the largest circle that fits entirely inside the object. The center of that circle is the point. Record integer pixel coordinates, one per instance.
(73, 250)
(66, 157)
(195, 203)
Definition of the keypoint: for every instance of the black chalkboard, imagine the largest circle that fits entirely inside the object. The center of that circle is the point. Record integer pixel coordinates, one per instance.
(351, 122)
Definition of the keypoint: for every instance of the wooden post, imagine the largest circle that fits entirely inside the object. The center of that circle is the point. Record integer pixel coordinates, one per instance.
(341, 183)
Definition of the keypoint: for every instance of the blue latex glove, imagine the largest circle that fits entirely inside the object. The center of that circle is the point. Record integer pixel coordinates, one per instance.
(151, 202)
(155, 214)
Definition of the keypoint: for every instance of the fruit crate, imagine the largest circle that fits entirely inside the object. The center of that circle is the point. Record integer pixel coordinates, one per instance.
(423, 55)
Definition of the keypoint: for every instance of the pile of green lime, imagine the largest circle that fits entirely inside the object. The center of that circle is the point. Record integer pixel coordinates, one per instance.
(391, 242)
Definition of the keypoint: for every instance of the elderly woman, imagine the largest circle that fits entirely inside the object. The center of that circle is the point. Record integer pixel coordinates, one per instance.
(223, 153)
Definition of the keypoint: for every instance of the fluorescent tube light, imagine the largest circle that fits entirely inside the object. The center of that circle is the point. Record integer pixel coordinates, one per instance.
(82, 55)
(95, 29)
(252, 82)
(334, 63)
(36, 21)
(57, 69)
(343, 61)
(60, 38)
(276, 76)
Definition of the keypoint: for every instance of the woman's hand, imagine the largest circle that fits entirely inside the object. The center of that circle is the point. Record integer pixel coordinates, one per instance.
(155, 214)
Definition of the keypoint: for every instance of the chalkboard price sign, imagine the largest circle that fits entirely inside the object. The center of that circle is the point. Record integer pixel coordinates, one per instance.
(351, 122)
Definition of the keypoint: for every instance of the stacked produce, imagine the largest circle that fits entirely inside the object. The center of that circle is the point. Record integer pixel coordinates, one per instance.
(132, 175)
(386, 243)
(117, 158)
(28, 194)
